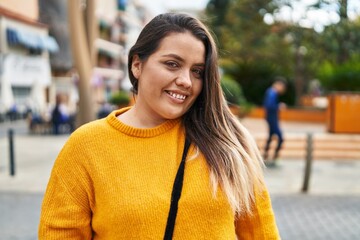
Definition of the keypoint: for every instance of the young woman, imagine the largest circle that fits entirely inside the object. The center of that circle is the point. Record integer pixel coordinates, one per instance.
(114, 178)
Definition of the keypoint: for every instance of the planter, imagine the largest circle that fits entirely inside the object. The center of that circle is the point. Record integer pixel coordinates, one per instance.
(294, 114)
(343, 113)
(235, 110)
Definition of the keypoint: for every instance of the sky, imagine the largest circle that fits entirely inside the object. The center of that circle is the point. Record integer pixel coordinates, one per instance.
(159, 6)
(316, 19)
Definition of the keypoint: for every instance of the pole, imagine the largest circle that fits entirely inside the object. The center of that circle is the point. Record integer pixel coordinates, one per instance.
(11, 152)
(309, 158)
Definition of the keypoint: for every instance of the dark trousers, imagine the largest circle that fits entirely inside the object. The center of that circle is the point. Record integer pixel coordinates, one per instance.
(56, 128)
(274, 129)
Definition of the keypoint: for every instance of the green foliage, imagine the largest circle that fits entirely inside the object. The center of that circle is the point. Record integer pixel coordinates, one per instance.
(253, 78)
(341, 77)
(232, 91)
(253, 53)
(239, 26)
(340, 42)
(120, 98)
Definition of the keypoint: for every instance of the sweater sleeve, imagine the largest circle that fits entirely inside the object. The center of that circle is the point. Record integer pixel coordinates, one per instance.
(260, 224)
(66, 207)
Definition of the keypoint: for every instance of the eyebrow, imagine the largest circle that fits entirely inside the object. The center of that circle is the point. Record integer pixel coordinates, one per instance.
(177, 57)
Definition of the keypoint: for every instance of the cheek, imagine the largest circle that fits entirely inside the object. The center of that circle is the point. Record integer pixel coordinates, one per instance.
(156, 77)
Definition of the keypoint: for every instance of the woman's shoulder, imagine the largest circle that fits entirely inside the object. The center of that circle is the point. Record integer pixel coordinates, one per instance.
(92, 127)
(91, 130)
(87, 138)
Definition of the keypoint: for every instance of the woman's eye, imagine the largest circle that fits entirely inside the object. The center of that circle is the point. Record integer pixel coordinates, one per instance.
(198, 73)
(172, 64)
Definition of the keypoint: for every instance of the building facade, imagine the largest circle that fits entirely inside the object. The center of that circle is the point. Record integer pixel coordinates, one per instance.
(25, 73)
(36, 62)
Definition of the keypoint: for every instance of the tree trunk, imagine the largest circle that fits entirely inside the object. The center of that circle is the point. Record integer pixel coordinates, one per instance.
(343, 9)
(82, 59)
(92, 29)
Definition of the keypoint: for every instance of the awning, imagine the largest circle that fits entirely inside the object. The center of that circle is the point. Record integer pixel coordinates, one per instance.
(31, 40)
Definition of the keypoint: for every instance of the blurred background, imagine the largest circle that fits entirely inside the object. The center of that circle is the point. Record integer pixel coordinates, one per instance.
(73, 54)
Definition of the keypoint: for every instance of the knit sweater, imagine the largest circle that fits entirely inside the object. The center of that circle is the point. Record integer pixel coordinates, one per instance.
(113, 181)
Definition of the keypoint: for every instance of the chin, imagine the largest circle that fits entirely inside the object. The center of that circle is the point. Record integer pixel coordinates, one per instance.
(173, 114)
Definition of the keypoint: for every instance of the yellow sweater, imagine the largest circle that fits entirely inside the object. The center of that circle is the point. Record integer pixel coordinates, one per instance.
(113, 181)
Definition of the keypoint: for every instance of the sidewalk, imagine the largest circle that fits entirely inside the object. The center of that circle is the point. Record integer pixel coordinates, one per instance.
(331, 209)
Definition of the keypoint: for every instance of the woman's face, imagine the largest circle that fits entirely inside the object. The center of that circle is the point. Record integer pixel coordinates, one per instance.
(170, 80)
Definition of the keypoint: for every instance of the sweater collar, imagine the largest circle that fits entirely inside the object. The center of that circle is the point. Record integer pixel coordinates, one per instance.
(139, 132)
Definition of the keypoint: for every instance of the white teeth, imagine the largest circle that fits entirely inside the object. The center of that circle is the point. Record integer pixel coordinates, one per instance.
(178, 96)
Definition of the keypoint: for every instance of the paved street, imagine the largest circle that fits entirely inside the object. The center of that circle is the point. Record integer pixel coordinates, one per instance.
(318, 217)
(330, 210)
(19, 215)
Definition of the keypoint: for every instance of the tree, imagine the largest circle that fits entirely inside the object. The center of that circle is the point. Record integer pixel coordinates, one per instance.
(341, 41)
(216, 10)
(252, 52)
(340, 52)
(337, 38)
(74, 19)
(240, 28)
(81, 42)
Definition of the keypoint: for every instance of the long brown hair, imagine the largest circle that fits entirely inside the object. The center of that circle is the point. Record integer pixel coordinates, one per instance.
(230, 151)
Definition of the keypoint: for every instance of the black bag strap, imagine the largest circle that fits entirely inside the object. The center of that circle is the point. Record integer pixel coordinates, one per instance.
(175, 195)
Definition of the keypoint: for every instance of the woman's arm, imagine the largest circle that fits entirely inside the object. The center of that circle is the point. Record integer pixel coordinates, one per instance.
(67, 205)
(261, 224)
(63, 215)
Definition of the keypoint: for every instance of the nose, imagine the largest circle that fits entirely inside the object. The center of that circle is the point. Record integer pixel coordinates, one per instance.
(184, 80)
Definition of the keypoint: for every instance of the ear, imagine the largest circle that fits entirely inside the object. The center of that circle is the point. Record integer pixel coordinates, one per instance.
(136, 66)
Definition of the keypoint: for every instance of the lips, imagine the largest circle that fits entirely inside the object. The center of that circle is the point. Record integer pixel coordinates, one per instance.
(177, 95)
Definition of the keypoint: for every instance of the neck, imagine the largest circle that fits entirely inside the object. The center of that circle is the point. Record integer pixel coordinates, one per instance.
(139, 119)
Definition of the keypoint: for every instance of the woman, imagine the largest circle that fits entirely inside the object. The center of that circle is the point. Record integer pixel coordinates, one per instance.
(114, 177)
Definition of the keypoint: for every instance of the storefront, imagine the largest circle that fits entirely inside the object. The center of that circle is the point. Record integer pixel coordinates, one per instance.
(25, 76)
(25, 79)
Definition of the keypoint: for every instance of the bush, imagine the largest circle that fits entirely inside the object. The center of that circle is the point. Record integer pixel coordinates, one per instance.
(120, 98)
(235, 98)
(344, 77)
(255, 78)
(232, 91)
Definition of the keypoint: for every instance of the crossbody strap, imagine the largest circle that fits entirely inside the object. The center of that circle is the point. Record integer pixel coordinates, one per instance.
(175, 195)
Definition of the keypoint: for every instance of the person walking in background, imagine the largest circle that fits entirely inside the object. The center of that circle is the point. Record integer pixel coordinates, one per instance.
(272, 107)
(60, 114)
(175, 165)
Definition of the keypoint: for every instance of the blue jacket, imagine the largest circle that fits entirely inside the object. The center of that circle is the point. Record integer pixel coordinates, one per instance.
(271, 103)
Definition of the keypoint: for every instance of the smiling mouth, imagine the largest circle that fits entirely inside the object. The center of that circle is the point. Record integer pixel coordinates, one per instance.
(176, 95)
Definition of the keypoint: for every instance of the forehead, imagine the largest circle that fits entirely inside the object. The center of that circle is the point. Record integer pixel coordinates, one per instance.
(184, 45)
